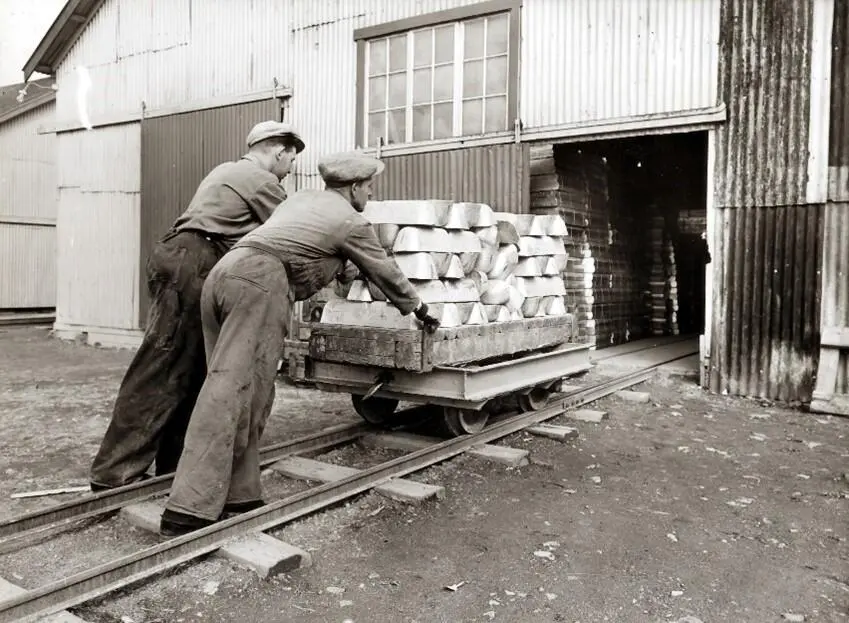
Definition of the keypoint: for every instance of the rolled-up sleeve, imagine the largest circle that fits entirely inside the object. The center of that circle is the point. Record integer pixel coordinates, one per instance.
(266, 199)
(362, 247)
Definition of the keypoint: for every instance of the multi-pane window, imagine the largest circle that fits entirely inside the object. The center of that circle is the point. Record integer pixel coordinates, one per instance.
(438, 82)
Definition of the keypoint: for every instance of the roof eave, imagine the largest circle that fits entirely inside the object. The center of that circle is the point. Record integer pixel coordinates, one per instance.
(29, 104)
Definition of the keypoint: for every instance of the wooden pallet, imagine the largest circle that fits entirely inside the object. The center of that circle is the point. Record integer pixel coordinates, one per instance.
(417, 351)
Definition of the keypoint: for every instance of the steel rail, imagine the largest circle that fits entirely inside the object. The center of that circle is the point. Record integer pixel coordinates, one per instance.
(112, 499)
(126, 570)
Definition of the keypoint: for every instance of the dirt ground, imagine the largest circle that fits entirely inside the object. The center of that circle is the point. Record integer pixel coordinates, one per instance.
(693, 507)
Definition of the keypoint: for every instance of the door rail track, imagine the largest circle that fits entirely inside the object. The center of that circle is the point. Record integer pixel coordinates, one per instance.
(116, 574)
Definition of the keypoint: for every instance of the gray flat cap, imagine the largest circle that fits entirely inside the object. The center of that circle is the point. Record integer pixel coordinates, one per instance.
(348, 168)
(274, 129)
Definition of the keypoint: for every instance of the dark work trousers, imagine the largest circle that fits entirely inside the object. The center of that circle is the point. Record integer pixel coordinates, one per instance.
(245, 309)
(160, 387)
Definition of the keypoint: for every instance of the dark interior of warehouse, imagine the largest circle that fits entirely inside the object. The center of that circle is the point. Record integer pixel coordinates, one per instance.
(637, 214)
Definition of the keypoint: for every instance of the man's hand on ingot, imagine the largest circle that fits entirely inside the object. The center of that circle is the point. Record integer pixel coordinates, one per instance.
(430, 323)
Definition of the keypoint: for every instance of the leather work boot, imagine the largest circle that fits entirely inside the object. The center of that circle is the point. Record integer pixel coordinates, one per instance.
(177, 524)
(237, 508)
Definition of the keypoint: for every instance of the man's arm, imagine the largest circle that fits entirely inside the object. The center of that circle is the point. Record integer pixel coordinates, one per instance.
(266, 199)
(362, 247)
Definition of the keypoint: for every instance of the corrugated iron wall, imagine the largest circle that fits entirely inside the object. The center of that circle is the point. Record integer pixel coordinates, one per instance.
(766, 337)
(98, 228)
(177, 152)
(764, 78)
(28, 202)
(838, 149)
(498, 175)
(585, 60)
(767, 248)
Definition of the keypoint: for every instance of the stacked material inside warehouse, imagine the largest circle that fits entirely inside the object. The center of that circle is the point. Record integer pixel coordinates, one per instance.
(471, 265)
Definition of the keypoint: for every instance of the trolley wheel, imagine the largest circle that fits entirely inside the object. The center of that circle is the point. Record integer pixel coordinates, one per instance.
(534, 400)
(458, 422)
(374, 410)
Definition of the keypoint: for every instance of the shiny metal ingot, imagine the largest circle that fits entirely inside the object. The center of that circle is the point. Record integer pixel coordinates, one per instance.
(522, 222)
(531, 246)
(469, 260)
(386, 233)
(531, 306)
(485, 259)
(495, 292)
(506, 260)
(415, 239)
(359, 292)
(540, 286)
(479, 277)
(548, 225)
(487, 235)
(456, 217)
(556, 307)
(454, 269)
(436, 291)
(472, 313)
(385, 315)
(430, 213)
(478, 214)
(507, 233)
(498, 313)
(463, 242)
(529, 267)
(516, 300)
(417, 265)
(552, 264)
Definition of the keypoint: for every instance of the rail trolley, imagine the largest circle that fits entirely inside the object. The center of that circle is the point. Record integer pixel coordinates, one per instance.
(463, 371)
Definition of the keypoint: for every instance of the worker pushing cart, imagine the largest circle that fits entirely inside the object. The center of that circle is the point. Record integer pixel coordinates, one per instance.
(245, 309)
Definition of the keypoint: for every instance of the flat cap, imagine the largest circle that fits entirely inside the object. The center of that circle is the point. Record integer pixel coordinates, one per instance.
(273, 129)
(348, 167)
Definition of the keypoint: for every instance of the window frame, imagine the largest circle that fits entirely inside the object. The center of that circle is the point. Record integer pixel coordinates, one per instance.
(404, 26)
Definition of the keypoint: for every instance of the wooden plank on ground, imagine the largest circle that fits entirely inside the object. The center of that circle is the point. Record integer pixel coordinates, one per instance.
(397, 488)
(265, 555)
(9, 591)
(552, 431)
(409, 442)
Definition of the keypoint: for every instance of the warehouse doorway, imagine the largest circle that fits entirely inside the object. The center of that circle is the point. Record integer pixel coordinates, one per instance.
(636, 208)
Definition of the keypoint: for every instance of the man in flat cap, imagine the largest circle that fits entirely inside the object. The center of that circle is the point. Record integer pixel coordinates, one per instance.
(160, 387)
(245, 309)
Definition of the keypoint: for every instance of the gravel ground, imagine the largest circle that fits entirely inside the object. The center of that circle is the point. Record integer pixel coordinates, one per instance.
(693, 507)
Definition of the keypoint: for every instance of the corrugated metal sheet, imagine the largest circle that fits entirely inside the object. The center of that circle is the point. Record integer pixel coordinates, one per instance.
(835, 277)
(98, 259)
(585, 60)
(177, 152)
(766, 325)
(498, 175)
(28, 166)
(838, 149)
(98, 227)
(27, 266)
(178, 52)
(764, 68)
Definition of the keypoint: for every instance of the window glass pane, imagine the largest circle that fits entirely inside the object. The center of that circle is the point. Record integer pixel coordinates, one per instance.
(496, 114)
(398, 53)
(375, 128)
(443, 120)
(423, 43)
(496, 35)
(473, 116)
(377, 93)
(421, 123)
(444, 44)
(472, 79)
(443, 83)
(397, 126)
(496, 75)
(397, 90)
(377, 57)
(473, 37)
(421, 86)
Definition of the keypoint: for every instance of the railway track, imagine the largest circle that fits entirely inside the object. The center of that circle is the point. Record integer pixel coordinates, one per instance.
(121, 572)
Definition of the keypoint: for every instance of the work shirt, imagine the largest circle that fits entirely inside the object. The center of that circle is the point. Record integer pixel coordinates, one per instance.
(233, 199)
(313, 232)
